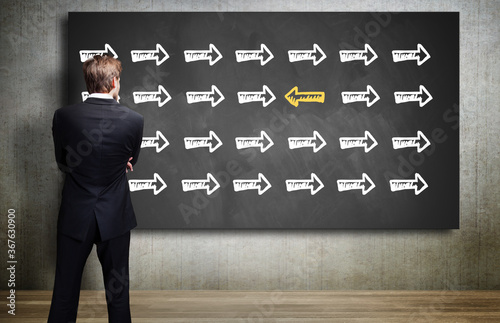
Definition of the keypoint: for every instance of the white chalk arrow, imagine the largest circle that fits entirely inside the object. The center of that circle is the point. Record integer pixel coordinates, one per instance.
(148, 184)
(155, 142)
(263, 55)
(422, 96)
(358, 55)
(420, 55)
(421, 142)
(150, 55)
(368, 142)
(313, 184)
(210, 184)
(214, 96)
(356, 184)
(264, 142)
(370, 96)
(161, 96)
(90, 53)
(316, 55)
(212, 142)
(316, 142)
(418, 184)
(261, 184)
(266, 96)
(212, 55)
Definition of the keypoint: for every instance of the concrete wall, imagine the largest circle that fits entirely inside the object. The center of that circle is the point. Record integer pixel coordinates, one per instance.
(33, 84)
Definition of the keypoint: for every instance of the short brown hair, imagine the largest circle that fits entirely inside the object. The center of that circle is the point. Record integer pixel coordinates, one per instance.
(99, 72)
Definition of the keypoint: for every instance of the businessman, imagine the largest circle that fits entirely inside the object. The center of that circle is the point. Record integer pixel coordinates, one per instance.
(96, 142)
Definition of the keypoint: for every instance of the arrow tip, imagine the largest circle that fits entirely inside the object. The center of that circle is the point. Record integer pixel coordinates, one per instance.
(423, 55)
(214, 138)
(161, 51)
(290, 96)
(366, 180)
(421, 185)
(213, 185)
(368, 137)
(263, 180)
(425, 96)
(158, 179)
(423, 142)
(317, 185)
(369, 51)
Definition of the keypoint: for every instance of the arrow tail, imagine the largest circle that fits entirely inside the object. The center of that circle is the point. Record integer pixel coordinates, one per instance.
(297, 184)
(348, 185)
(298, 55)
(349, 97)
(244, 185)
(196, 55)
(297, 142)
(402, 184)
(193, 185)
(246, 97)
(195, 97)
(248, 55)
(352, 142)
(404, 55)
(196, 142)
(403, 97)
(248, 142)
(143, 55)
(141, 97)
(401, 142)
(352, 55)
(139, 185)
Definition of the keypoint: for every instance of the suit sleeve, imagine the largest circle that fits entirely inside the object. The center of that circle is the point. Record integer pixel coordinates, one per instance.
(138, 139)
(58, 147)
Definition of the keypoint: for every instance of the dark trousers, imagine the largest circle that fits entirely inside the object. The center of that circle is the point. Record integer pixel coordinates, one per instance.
(72, 254)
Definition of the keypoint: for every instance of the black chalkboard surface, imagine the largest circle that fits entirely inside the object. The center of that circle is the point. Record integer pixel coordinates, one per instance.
(286, 120)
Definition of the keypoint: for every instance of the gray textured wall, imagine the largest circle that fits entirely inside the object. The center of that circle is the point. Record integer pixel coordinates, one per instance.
(33, 84)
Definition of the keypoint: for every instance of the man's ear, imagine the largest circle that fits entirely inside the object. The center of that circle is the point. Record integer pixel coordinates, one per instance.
(114, 82)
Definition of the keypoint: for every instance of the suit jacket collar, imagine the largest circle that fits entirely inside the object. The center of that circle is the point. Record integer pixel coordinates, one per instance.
(100, 101)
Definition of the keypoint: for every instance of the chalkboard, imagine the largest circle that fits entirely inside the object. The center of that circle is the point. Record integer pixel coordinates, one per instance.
(281, 120)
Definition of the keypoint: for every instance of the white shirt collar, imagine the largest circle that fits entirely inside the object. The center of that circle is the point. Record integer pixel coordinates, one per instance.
(101, 96)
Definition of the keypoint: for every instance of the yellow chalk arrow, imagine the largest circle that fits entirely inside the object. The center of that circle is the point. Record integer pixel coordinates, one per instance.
(294, 97)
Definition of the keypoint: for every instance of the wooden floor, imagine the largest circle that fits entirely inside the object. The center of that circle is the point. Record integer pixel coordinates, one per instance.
(274, 306)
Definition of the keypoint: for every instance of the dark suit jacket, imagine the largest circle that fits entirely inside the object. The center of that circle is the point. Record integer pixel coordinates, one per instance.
(93, 141)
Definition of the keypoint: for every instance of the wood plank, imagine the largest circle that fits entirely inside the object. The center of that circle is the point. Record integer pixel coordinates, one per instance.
(153, 306)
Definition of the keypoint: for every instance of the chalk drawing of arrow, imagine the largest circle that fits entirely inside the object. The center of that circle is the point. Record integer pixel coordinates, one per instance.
(148, 184)
(210, 184)
(161, 96)
(356, 184)
(89, 53)
(422, 96)
(313, 184)
(420, 142)
(212, 55)
(316, 55)
(150, 55)
(261, 184)
(214, 96)
(266, 96)
(155, 142)
(420, 55)
(370, 96)
(212, 142)
(316, 142)
(358, 55)
(294, 97)
(368, 142)
(264, 142)
(263, 55)
(409, 184)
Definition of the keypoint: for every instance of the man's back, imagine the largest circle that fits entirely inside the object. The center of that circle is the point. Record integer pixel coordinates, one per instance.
(93, 142)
